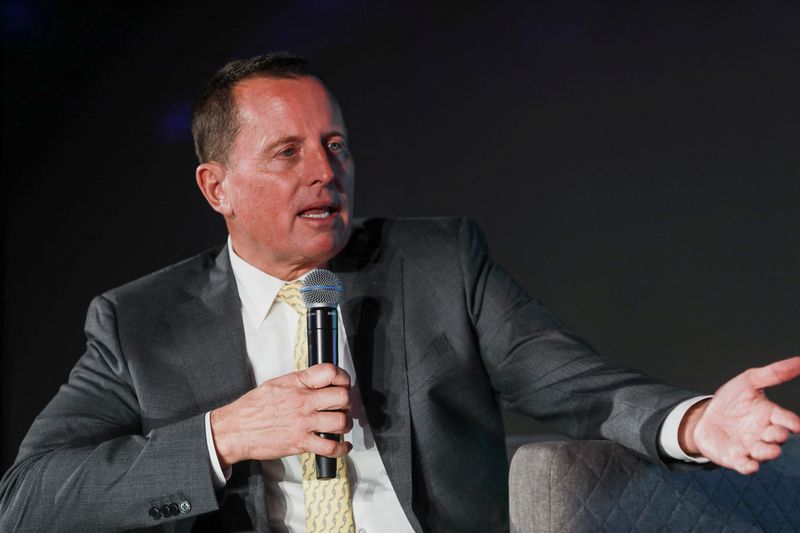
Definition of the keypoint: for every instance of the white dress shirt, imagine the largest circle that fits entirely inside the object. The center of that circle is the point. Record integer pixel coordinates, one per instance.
(269, 329)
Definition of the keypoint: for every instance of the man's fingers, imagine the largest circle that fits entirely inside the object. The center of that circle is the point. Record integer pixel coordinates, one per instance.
(332, 422)
(775, 373)
(745, 466)
(324, 375)
(328, 448)
(786, 418)
(737, 458)
(341, 378)
(762, 451)
(777, 434)
(330, 399)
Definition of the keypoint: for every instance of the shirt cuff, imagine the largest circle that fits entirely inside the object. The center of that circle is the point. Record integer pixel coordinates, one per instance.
(668, 437)
(220, 477)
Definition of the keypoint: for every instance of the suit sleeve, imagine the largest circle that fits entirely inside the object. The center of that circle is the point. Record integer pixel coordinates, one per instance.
(85, 464)
(539, 368)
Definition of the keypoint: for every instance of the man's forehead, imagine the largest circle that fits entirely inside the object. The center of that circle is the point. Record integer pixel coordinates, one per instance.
(262, 93)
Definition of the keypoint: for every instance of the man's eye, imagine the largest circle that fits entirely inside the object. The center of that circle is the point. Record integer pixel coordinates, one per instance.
(336, 146)
(287, 152)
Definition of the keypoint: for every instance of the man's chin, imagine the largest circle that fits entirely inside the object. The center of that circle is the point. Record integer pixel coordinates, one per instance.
(326, 249)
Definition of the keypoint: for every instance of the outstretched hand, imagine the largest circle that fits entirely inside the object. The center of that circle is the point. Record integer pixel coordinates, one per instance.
(739, 427)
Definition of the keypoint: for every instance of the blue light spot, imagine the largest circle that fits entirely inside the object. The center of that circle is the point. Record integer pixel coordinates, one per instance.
(176, 124)
(17, 18)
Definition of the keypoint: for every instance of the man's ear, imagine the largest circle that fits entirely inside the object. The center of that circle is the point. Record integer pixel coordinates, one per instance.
(210, 178)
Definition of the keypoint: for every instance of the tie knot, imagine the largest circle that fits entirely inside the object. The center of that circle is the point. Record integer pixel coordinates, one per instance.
(290, 294)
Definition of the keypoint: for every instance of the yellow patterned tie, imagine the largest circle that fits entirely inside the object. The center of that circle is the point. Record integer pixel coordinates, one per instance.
(327, 501)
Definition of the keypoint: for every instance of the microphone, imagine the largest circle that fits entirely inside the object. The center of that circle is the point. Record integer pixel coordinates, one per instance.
(322, 291)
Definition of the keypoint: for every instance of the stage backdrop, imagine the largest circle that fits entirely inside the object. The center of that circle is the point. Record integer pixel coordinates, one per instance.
(635, 166)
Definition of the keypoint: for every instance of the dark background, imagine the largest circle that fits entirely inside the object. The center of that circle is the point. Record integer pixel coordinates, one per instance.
(634, 164)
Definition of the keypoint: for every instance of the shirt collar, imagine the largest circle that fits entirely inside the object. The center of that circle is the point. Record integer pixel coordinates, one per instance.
(257, 289)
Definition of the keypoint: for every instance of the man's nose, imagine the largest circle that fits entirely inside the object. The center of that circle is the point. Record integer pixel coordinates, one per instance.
(321, 170)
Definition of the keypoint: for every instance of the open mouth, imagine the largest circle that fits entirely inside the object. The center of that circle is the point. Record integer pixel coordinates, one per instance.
(319, 212)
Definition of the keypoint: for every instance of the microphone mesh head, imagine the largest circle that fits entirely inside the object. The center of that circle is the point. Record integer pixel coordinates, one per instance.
(321, 288)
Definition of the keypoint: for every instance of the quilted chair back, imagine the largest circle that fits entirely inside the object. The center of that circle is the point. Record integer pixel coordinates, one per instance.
(581, 486)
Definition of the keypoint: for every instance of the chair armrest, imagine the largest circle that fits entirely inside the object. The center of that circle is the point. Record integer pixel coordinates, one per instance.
(579, 486)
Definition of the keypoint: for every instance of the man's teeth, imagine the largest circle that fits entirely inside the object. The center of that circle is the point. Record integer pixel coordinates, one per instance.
(319, 214)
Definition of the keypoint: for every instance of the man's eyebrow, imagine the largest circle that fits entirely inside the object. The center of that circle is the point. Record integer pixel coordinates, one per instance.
(282, 140)
(334, 133)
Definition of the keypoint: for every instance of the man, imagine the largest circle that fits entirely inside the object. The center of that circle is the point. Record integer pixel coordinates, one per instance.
(187, 411)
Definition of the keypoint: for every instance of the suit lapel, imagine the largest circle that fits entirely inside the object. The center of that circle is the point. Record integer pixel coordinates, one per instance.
(209, 333)
(209, 327)
(372, 311)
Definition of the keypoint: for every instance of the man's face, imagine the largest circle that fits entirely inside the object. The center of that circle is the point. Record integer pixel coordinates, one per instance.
(289, 178)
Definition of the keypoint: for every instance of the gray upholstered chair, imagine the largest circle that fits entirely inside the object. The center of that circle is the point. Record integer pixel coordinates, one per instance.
(577, 486)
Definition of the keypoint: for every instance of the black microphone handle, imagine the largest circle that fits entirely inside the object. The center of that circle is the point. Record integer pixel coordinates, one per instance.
(323, 347)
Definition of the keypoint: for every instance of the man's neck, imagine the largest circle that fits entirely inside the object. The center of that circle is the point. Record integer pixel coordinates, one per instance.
(285, 272)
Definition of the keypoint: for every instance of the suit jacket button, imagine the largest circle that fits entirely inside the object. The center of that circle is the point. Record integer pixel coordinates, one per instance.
(173, 509)
(185, 506)
(165, 512)
(155, 513)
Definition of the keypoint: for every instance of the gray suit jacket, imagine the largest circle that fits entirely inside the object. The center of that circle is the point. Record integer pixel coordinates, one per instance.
(441, 339)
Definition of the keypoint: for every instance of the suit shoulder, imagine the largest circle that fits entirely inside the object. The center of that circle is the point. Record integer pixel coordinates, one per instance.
(168, 285)
(419, 234)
